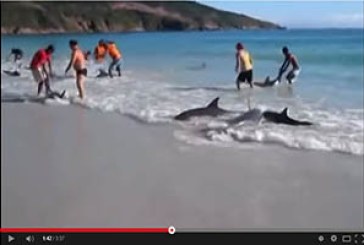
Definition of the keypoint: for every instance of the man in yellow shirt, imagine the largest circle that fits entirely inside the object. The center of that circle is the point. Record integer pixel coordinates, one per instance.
(244, 66)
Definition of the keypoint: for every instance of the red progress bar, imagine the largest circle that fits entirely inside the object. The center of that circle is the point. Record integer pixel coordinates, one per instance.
(83, 230)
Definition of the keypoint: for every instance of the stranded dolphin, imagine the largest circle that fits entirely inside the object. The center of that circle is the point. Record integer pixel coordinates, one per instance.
(267, 82)
(14, 98)
(251, 115)
(54, 94)
(283, 118)
(270, 116)
(211, 109)
(12, 73)
(102, 73)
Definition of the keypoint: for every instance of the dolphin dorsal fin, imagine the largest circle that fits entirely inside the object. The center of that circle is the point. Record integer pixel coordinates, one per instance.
(285, 111)
(214, 103)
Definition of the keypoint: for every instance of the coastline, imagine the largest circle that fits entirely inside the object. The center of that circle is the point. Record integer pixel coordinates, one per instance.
(72, 167)
(137, 30)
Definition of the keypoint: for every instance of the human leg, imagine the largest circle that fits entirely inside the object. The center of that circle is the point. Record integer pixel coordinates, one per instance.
(80, 82)
(113, 63)
(292, 75)
(249, 77)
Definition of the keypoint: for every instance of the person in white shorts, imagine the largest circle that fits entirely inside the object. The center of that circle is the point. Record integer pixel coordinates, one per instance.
(289, 59)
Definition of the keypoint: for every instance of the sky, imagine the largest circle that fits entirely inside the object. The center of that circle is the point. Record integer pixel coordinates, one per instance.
(299, 14)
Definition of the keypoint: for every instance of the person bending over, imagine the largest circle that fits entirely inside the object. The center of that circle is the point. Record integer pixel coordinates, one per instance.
(38, 67)
(116, 57)
(289, 59)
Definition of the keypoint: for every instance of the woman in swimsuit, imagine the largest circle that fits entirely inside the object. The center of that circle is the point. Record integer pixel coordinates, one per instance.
(79, 65)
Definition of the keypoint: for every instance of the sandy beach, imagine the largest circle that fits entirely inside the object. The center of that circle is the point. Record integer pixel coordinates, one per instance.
(68, 166)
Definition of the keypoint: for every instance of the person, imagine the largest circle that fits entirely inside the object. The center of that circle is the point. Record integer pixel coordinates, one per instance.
(116, 57)
(87, 55)
(38, 68)
(18, 55)
(289, 59)
(244, 66)
(79, 65)
(100, 51)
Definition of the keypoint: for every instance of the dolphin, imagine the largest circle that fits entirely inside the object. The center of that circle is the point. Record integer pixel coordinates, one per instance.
(251, 115)
(267, 82)
(270, 116)
(13, 98)
(211, 109)
(283, 118)
(12, 73)
(102, 73)
(54, 94)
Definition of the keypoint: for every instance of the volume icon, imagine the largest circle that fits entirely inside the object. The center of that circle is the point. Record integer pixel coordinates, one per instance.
(30, 238)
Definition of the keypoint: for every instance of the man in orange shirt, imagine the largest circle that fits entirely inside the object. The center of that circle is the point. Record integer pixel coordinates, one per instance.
(100, 51)
(116, 57)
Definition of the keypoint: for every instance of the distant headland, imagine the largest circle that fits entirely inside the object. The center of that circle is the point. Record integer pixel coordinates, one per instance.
(92, 17)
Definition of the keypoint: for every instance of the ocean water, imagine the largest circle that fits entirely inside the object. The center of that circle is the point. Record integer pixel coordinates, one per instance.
(168, 72)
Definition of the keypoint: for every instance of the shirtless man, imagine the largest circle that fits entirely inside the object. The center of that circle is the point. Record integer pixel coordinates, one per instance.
(289, 58)
(79, 65)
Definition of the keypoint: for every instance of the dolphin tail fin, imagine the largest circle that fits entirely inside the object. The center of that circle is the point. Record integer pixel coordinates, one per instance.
(267, 79)
(285, 111)
(62, 94)
(214, 103)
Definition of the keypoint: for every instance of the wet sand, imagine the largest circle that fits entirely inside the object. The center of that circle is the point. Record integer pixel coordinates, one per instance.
(66, 166)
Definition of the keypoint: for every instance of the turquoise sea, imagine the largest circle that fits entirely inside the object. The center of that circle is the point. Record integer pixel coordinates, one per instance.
(168, 72)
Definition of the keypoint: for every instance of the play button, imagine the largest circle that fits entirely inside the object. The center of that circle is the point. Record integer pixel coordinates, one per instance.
(10, 238)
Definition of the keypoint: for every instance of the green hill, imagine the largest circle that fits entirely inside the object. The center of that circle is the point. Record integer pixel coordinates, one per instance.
(60, 17)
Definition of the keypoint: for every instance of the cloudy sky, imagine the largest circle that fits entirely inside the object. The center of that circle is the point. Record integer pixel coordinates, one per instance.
(299, 14)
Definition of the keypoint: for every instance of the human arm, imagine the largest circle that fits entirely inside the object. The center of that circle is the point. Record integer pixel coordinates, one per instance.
(96, 53)
(237, 62)
(283, 68)
(50, 67)
(71, 61)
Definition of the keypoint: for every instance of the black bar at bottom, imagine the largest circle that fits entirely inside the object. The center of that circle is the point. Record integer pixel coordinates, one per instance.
(281, 238)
